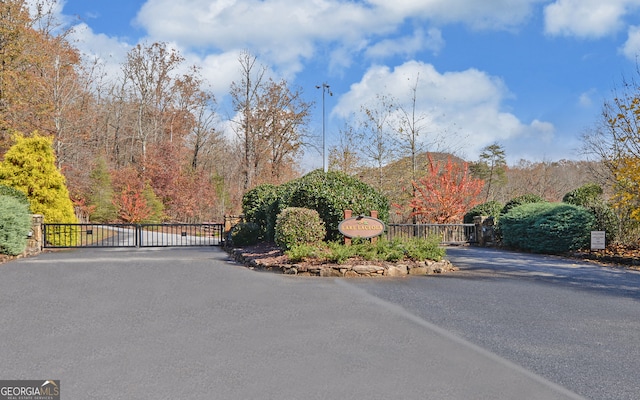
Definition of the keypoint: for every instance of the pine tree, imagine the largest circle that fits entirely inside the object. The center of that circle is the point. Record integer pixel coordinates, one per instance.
(101, 194)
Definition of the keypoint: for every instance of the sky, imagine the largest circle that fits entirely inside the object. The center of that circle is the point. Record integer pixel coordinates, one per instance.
(530, 75)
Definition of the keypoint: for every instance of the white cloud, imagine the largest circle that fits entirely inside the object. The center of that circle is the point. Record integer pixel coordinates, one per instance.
(586, 18)
(465, 106)
(585, 100)
(491, 14)
(408, 45)
(631, 48)
(288, 32)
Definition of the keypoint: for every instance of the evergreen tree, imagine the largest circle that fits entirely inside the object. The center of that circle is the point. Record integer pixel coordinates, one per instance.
(101, 194)
(30, 166)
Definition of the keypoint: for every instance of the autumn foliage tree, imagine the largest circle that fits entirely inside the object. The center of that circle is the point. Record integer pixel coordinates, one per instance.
(445, 193)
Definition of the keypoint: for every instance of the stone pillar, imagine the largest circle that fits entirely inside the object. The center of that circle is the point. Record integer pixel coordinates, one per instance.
(35, 240)
(231, 220)
(479, 232)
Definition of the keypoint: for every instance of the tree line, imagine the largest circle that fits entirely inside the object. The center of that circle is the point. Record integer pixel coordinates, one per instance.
(152, 132)
(149, 143)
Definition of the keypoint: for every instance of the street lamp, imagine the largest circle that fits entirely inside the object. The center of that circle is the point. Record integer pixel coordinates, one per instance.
(325, 89)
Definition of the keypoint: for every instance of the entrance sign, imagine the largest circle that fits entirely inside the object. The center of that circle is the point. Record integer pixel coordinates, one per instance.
(361, 227)
(598, 240)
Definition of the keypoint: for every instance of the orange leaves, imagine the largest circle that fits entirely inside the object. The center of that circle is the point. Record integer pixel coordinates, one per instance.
(445, 193)
(132, 206)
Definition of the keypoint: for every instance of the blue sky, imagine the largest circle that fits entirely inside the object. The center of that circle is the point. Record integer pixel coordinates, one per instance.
(529, 74)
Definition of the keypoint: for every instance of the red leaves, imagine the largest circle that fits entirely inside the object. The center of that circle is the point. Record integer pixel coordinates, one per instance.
(445, 193)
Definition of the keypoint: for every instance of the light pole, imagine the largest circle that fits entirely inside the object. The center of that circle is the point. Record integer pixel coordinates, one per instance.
(325, 88)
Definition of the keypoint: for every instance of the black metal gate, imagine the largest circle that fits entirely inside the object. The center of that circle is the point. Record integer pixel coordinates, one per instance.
(132, 235)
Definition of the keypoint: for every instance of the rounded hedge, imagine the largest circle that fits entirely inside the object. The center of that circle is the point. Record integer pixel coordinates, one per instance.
(551, 228)
(489, 209)
(296, 225)
(333, 192)
(589, 196)
(584, 195)
(15, 224)
(13, 192)
(328, 193)
(520, 200)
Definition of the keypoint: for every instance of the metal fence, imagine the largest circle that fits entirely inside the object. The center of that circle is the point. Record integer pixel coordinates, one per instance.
(449, 233)
(132, 235)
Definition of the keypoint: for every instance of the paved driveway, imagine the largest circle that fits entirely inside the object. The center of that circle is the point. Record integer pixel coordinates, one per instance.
(187, 324)
(575, 323)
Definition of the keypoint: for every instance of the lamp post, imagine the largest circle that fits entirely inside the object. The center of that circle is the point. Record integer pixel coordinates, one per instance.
(325, 89)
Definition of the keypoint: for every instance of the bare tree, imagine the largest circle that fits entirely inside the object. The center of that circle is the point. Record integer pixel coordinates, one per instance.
(379, 144)
(148, 71)
(345, 155)
(245, 95)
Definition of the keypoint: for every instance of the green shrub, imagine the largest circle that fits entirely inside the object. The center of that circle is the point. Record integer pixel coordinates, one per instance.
(382, 250)
(245, 234)
(589, 196)
(338, 253)
(328, 193)
(15, 224)
(297, 225)
(256, 203)
(520, 200)
(489, 209)
(333, 192)
(547, 227)
(424, 249)
(13, 192)
(584, 195)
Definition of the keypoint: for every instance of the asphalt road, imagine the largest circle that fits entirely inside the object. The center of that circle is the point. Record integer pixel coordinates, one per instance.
(574, 323)
(188, 324)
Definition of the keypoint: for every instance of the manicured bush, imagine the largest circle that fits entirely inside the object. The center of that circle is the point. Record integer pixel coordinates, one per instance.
(296, 225)
(15, 193)
(584, 195)
(256, 202)
(245, 234)
(328, 193)
(547, 227)
(520, 200)
(333, 192)
(489, 209)
(589, 196)
(15, 224)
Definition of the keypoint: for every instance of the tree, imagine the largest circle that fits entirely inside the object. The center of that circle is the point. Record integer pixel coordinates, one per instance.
(245, 96)
(30, 166)
(491, 168)
(270, 124)
(445, 194)
(149, 71)
(345, 155)
(284, 115)
(101, 195)
(379, 145)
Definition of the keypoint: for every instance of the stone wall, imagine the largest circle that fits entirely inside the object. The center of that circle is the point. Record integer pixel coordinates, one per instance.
(361, 269)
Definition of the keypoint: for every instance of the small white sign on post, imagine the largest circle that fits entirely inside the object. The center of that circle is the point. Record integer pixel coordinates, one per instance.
(597, 240)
